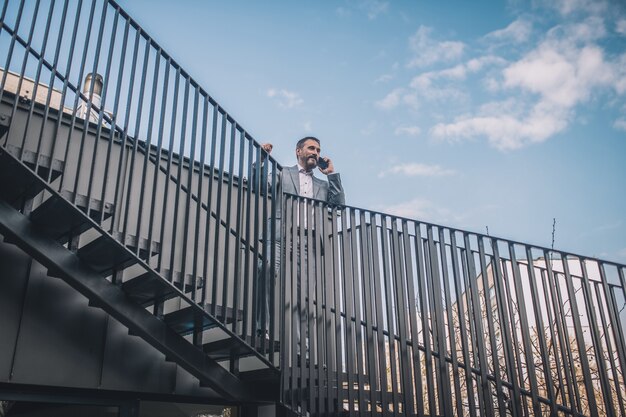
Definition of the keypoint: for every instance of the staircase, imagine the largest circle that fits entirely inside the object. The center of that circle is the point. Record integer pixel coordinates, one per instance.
(125, 179)
(67, 239)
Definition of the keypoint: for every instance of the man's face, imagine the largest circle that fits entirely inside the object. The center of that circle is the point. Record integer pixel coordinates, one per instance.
(308, 154)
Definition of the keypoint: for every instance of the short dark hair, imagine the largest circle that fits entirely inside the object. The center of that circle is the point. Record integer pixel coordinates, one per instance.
(300, 143)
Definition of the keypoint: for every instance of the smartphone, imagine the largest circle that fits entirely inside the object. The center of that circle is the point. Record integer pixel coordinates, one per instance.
(321, 162)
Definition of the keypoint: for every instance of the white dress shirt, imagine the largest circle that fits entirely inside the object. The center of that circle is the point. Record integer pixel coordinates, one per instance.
(306, 182)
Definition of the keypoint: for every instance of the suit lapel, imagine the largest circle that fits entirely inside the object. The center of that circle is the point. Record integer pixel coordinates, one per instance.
(295, 179)
(317, 189)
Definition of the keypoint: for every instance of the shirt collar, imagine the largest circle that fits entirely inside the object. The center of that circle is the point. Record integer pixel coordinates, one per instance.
(303, 171)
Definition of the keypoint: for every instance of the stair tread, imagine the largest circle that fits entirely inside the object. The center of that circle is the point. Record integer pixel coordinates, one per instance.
(17, 181)
(224, 348)
(112, 299)
(60, 219)
(104, 253)
(148, 288)
(189, 319)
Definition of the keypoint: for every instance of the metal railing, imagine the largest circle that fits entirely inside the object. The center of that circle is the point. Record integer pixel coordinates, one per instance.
(147, 154)
(390, 316)
(375, 314)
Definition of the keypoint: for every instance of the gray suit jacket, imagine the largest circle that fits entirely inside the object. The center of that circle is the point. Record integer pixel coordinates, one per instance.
(330, 191)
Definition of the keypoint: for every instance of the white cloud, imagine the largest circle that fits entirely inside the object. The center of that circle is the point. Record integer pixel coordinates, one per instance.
(383, 78)
(561, 76)
(416, 169)
(591, 29)
(548, 83)
(413, 209)
(428, 51)
(285, 98)
(518, 31)
(503, 131)
(373, 8)
(620, 27)
(408, 131)
(307, 126)
(391, 100)
(421, 209)
(620, 124)
(570, 7)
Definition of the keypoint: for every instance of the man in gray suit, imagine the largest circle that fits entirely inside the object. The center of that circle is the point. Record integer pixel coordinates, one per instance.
(298, 180)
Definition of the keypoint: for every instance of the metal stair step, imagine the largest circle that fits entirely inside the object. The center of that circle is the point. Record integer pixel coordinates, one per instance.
(16, 181)
(114, 301)
(146, 289)
(59, 219)
(189, 319)
(104, 254)
(225, 348)
(149, 288)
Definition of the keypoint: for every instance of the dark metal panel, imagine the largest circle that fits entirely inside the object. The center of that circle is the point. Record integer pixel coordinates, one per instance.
(60, 341)
(14, 274)
(129, 363)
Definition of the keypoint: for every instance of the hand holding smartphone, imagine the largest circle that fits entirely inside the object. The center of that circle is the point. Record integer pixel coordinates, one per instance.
(321, 163)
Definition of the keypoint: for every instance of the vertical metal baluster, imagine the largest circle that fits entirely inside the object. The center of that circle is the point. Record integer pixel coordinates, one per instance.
(369, 311)
(337, 249)
(526, 340)
(81, 75)
(7, 66)
(146, 157)
(196, 281)
(22, 72)
(618, 336)
(307, 277)
(178, 181)
(169, 222)
(400, 268)
(188, 189)
(445, 392)
(237, 273)
(504, 309)
(596, 342)
(490, 325)
(422, 268)
(450, 320)
(461, 313)
(226, 242)
(484, 384)
(316, 336)
(111, 141)
(390, 303)
(378, 302)
(250, 267)
(53, 74)
(133, 157)
(610, 354)
(121, 166)
(553, 341)
(218, 213)
(358, 315)
(564, 340)
(332, 362)
(287, 341)
(588, 383)
(209, 212)
(543, 349)
(96, 139)
(34, 93)
(158, 168)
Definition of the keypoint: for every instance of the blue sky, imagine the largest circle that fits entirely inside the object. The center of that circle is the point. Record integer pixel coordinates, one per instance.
(504, 115)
